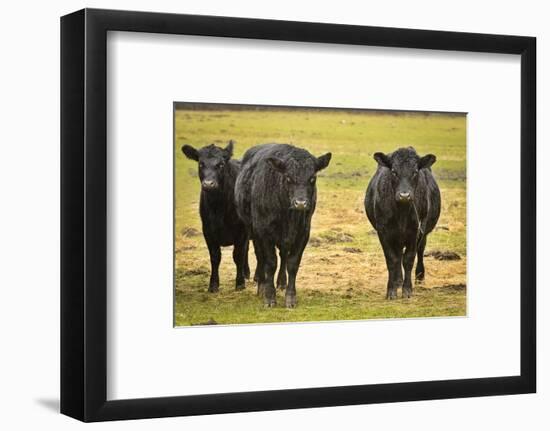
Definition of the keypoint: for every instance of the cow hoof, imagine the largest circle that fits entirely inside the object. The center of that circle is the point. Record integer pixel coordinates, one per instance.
(214, 289)
(240, 286)
(391, 295)
(281, 286)
(407, 293)
(290, 301)
(270, 303)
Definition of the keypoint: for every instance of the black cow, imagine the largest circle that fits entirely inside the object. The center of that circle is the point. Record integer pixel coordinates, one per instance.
(276, 195)
(221, 225)
(403, 205)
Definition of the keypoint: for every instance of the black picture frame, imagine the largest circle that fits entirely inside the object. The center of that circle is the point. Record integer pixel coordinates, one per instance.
(84, 214)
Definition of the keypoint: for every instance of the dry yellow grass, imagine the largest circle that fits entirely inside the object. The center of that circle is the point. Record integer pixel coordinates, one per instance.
(343, 273)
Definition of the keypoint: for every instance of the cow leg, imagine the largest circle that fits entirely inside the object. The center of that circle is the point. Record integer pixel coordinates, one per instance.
(394, 257)
(239, 257)
(215, 259)
(270, 264)
(281, 277)
(259, 267)
(259, 275)
(246, 267)
(408, 263)
(293, 264)
(419, 272)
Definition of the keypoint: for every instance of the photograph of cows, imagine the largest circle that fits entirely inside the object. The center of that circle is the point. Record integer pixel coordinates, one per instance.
(293, 214)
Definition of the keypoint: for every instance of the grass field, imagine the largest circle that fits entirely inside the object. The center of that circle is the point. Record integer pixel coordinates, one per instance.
(343, 273)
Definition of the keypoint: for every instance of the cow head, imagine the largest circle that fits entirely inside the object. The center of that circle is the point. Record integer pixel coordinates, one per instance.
(299, 174)
(212, 162)
(404, 166)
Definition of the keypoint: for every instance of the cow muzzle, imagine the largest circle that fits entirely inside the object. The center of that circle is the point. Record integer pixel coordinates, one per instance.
(404, 197)
(209, 185)
(300, 204)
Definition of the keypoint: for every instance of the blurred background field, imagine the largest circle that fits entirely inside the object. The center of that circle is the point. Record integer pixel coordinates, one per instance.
(343, 273)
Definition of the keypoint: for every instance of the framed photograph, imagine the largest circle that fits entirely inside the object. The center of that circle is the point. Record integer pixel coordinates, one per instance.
(262, 215)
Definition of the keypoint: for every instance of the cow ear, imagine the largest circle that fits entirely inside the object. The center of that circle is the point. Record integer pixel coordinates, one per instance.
(323, 161)
(190, 152)
(426, 161)
(382, 160)
(229, 149)
(277, 164)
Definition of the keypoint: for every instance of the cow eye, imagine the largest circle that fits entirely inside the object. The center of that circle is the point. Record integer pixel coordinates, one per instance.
(394, 172)
(312, 180)
(201, 165)
(220, 165)
(288, 179)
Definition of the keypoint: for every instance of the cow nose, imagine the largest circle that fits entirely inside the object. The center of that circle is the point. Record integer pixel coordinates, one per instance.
(404, 196)
(209, 184)
(300, 204)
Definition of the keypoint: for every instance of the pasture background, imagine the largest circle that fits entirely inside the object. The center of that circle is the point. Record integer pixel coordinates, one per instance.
(343, 274)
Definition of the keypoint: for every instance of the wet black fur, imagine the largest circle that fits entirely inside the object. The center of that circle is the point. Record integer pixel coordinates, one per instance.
(273, 179)
(221, 225)
(402, 231)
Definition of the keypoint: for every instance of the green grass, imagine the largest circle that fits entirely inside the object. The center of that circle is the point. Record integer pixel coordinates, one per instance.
(333, 283)
(230, 306)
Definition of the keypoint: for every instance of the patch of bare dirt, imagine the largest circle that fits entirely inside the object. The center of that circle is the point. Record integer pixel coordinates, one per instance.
(208, 322)
(335, 236)
(314, 241)
(185, 248)
(189, 232)
(196, 271)
(352, 250)
(443, 255)
(341, 174)
(451, 288)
